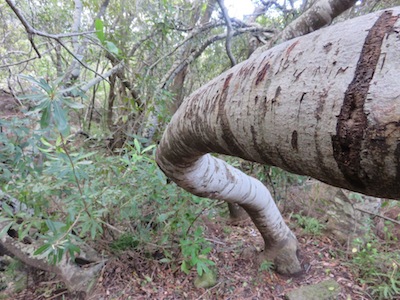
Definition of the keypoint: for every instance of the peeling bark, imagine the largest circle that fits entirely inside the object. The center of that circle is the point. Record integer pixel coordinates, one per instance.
(326, 105)
(353, 120)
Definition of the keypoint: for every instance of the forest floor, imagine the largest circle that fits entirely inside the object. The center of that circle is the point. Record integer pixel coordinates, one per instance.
(132, 275)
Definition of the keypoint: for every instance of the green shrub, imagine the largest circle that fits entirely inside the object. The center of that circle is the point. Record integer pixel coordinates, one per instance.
(73, 194)
(378, 269)
(310, 225)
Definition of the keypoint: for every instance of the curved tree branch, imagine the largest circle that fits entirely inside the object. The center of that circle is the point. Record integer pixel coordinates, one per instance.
(192, 35)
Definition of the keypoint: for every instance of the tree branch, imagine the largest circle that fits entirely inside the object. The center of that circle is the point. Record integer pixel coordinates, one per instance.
(180, 44)
(377, 215)
(24, 61)
(229, 33)
(33, 31)
(57, 37)
(175, 69)
(96, 80)
(75, 277)
(321, 13)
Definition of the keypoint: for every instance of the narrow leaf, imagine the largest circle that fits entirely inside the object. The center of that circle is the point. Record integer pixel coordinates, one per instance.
(45, 119)
(60, 117)
(7, 209)
(51, 226)
(73, 104)
(99, 25)
(5, 229)
(42, 249)
(112, 48)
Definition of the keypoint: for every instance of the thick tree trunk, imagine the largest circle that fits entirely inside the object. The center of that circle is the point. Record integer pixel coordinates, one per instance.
(326, 105)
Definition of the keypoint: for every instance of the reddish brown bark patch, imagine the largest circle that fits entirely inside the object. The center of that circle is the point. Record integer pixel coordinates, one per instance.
(226, 83)
(276, 97)
(291, 47)
(352, 120)
(246, 71)
(262, 72)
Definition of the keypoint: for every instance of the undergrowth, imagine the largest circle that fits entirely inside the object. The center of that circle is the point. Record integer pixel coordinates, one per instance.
(377, 267)
(63, 193)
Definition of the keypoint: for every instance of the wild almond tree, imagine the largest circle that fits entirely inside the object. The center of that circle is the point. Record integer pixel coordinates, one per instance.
(326, 105)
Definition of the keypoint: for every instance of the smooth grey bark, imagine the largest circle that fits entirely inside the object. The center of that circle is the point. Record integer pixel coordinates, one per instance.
(326, 105)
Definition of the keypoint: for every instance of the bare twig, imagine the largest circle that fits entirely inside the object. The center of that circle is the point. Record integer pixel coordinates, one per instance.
(318, 15)
(23, 61)
(57, 37)
(141, 41)
(187, 60)
(33, 31)
(209, 290)
(229, 33)
(188, 38)
(377, 215)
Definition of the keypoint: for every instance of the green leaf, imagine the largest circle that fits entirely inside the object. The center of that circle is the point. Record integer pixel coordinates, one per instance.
(112, 48)
(60, 116)
(184, 267)
(200, 268)
(44, 103)
(7, 209)
(51, 226)
(73, 104)
(137, 146)
(60, 253)
(148, 148)
(41, 82)
(5, 229)
(99, 25)
(34, 97)
(24, 230)
(162, 217)
(45, 119)
(72, 249)
(42, 249)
